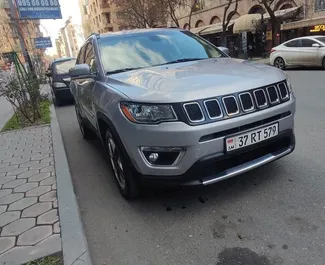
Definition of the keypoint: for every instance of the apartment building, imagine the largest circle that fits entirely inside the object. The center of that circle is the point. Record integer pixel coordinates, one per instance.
(98, 16)
(69, 40)
(29, 29)
(60, 46)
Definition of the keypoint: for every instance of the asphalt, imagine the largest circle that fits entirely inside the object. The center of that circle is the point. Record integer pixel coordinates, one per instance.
(274, 215)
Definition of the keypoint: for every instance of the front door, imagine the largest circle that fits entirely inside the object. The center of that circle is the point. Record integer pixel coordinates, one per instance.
(309, 54)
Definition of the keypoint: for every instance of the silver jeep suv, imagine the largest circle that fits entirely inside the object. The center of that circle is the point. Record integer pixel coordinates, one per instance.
(172, 109)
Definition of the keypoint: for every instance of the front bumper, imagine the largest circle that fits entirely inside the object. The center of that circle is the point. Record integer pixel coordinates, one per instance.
(63, 93)
(204, 145)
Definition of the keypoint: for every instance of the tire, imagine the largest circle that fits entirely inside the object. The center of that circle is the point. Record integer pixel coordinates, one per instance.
(279, 63)
(323, 63)
(123, 172)
(87, 133)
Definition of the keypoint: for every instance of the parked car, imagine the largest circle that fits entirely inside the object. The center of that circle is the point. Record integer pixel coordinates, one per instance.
(304, 51)
(58, 73)
(172, 109)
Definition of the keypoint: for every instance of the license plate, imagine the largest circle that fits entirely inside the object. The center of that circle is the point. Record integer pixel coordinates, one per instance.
(252, 137)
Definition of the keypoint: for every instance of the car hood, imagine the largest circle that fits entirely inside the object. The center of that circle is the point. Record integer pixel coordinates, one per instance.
(188, 81)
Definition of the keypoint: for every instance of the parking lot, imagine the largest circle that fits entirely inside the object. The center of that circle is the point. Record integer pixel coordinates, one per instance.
(272, 215)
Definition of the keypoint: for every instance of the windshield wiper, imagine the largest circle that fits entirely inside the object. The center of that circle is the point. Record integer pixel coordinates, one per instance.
(122, 70)
(183, 60)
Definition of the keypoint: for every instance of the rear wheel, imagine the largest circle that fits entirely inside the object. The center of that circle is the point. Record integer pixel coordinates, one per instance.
(87, 134)
(279, 63)
(123, 172)
(324, 63)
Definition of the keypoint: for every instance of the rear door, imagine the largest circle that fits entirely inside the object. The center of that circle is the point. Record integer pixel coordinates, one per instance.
(291, 52)
(309, 54)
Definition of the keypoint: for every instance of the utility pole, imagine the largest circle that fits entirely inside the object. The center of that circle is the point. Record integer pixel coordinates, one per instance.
(14, 19)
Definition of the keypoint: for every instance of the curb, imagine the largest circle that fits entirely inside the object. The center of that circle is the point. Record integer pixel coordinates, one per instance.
(74, 243)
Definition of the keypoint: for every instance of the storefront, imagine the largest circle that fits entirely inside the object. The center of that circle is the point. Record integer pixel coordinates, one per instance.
(302, 28)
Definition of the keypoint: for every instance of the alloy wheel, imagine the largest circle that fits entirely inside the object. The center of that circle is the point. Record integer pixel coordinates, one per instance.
(279, 63)
(116, 162)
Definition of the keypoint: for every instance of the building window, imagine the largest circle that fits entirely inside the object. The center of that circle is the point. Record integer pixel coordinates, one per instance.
(108, 18)
(319, 5)
(199, 5)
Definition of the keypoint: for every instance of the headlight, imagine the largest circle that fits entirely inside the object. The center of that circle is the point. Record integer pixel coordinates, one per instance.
(289, 84)
(59, 85)
(147, 113)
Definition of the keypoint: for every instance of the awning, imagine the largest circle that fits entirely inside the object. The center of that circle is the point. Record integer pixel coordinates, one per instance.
(303, 23)
(210, 29)
(250, 22)
(199, 29)
(285, 13)
(247, 22)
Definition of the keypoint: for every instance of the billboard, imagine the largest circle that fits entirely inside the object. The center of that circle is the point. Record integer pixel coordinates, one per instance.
(43, 43)
(39, 9)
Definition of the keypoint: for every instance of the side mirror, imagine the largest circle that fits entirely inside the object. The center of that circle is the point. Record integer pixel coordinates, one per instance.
(80, 71)
(48, 73)
(224, 49)
(316, 45)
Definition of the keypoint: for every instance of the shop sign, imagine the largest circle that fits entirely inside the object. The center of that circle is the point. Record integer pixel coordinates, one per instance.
(318, 28)
(39, 9)
(269, 35)
(43, 42)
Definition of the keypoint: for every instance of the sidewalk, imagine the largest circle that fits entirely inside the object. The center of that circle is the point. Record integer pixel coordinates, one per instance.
(39, 214)
(260, 60)
(29, 220)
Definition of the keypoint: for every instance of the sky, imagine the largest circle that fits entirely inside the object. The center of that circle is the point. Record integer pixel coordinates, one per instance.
(51, 27)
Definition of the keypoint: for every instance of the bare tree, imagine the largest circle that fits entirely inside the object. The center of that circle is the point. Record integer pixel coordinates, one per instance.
(228, 14)
(141, 13)
(270, 6)
(173, 5)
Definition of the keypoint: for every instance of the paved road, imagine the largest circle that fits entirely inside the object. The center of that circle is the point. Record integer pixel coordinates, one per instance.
(273, 215)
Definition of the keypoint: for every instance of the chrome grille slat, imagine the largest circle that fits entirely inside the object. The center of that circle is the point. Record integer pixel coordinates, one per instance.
(260, 98)
(213, 105)
(283, 91)
(246, 98)
(231, 105)
(273, 94)
(194, 112)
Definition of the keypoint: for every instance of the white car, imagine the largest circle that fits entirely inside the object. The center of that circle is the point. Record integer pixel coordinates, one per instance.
(303, 51)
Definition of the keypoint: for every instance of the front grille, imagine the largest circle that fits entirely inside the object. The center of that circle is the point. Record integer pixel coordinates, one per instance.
(284, 93)
(194, 112)
(213, 109)
(260, 98)
(272, 94)
(246, 101)
(231, 105)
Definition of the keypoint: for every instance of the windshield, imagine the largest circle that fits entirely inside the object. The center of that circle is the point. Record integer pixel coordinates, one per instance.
(322, 39)
(63, 67)
(133, 51)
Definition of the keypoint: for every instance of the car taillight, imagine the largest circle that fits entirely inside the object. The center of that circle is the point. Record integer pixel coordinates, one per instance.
(272, 50)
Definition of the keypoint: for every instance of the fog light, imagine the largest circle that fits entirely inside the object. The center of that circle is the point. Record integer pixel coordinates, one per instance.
(162, 156)
(153, 157)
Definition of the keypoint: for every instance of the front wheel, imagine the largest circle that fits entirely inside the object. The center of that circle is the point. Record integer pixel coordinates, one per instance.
(324, 63)
(123, 173)
(279, 63)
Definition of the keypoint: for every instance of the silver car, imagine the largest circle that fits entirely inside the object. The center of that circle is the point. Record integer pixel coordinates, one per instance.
(172, 109)
(304, 51)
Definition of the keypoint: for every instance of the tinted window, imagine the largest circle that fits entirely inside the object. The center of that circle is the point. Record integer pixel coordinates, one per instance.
(139, 50)
(322, 39)
(63, 67)
(90, 57)
(307, 43)
(294, 43)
